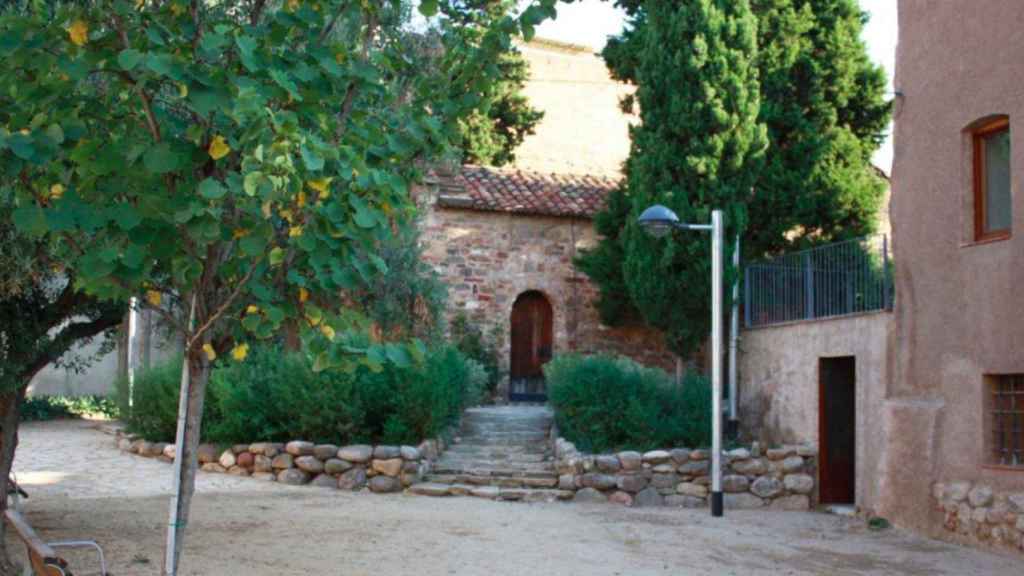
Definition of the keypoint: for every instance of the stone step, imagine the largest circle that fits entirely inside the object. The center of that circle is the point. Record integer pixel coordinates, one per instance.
(491, 492)
(490, 441)
(485, 469)
(532, 481)
(496, 457)
(483, 447)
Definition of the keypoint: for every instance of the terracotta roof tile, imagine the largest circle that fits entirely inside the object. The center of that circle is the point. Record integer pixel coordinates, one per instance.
(527, 192)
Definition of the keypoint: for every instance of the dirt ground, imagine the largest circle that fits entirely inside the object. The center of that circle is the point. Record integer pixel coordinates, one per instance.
(81, 487)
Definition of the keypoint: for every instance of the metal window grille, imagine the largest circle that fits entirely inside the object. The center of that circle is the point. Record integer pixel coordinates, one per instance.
(1007, 420)
(838, 279)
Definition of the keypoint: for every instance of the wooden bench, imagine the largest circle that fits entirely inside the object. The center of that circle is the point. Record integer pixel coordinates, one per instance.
(42, 558)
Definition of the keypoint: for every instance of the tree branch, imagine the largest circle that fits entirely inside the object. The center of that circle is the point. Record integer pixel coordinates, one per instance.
(195, 336)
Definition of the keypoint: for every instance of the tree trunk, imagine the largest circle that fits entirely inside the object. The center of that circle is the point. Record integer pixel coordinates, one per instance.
(199, 375)
(9, 403)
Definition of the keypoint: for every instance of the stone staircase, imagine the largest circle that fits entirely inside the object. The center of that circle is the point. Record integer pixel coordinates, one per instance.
(502, 453)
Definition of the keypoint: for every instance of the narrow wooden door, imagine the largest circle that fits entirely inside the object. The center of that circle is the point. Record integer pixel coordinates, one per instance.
(531, 336)
(837, 429)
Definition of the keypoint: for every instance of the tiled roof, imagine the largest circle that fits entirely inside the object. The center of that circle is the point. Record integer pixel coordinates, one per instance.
(526, 192)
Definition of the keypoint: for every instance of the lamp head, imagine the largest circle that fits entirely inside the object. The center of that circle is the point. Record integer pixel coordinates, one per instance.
(658, 221)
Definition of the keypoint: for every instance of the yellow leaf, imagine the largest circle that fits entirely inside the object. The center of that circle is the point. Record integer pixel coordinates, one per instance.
(319, 185)
(154, 298)
(303, 295)
(56, 191)
(293, 5)
(300, 199)
(177, 9)
(295, 231)
(312, 321)
(240, 352)
(211, 355)
(182, 90)
(252, 309)
(327, 331)
(287, 215)
(239, 233)
(219, 148)
(78, 32)
(266, 210)
(139, 4)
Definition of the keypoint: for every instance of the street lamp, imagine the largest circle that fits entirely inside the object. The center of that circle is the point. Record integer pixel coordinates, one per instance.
(658, 221)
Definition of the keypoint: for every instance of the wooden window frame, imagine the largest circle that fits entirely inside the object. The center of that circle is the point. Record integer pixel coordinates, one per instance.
(1005, 423)
(979, 134)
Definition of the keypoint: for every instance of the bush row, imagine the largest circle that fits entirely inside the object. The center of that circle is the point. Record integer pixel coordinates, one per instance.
(40, 408)
(277, 397)
(603, 403)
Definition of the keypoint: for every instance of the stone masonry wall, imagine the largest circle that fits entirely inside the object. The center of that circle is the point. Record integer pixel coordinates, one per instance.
(382, 469)
(979, 516)
(779, 478)
(489, 258)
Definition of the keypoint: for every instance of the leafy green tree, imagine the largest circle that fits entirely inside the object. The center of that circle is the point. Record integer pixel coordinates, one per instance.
(698, 147)
(822, 100)
(226, 161)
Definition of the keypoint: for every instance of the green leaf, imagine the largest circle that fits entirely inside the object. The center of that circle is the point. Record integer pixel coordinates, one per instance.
(252, 182)
(398, 355)
(212, 189)
(252, 245)
(428, 7)
(313, 161)
(22, 146)
(276, 256)
(129, 58)
(127, 216)
(30, 220)
(160, 159)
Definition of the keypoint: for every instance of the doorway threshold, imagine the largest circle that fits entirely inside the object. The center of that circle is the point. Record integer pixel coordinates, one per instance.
(841, 509)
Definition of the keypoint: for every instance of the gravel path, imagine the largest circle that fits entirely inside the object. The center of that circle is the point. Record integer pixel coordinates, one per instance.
(81, 486)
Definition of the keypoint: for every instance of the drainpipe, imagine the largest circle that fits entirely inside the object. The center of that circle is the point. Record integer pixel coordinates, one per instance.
(734, 335)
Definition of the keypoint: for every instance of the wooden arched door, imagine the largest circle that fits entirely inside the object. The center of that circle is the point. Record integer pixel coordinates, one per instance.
(531, 337)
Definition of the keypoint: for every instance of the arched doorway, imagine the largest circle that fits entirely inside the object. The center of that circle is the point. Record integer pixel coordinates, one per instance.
(532, 339)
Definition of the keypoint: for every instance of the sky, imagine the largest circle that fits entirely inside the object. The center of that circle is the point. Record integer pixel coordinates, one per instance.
(590, 22)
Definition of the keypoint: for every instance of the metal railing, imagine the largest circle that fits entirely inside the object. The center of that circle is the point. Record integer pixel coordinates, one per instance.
(839, 279)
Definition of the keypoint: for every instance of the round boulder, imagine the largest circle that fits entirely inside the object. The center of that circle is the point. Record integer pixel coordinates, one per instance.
(325, 451)
(767, 487)
(352, 479)
(292, 476)
(337, 466)
(631, 460)
(358, 453)
(227, 459)
(385, 484)
(282, 462)
(299, 448)
(309, 464)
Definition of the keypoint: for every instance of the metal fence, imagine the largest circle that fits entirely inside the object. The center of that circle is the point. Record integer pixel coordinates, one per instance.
(849, 277)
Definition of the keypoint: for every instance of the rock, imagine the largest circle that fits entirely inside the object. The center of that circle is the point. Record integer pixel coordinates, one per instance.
(691, 489)
(980, 496)
(325, 481)
(734, 483)
(779, 453)
(154, 449)
(359, 453)
(299, 448)
(429, 489)
(599, 481)
(487, 492)
(620, 497)
(752, 467)
(608, 463)
(679, 456)
(799, 483)
(683, 501)
(648, 497)
(664, 481)
(238, 471)
(631, 460)
(387, 452)
(273, 449)
(410, 478)
(792, 464)
(170, 451)
(666, 468)
(124, 445)
(631, 483)
(265, 476)
(207, 453)
(261, 463)
(352, 479)
(428, 450)
(656, 457)
(213, 467)
(738, 454)
(336, 466)
(589, 495)
(292, 476)
(567, 482)
(325, 451)
(755, 449)
(766, 487)
(807, 451)
(239, 448)
(136, 445)
(1020, 524)
(282, 461)
(258, 448)
(390, 467)
(245, 459)
(410, 453)
(569, 466)
(694, 467)
(699, 455)
(792, 502)
(979, 515)
(957, 491)
(385, 484)
(744, 501)
(309, 464)
(227, 459)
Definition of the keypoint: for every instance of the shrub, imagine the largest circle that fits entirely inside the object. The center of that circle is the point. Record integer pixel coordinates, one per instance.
(39, 408)
(603, 403)
(479, 347)
(152, 411)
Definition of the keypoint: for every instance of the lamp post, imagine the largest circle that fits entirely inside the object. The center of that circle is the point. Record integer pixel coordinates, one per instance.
(659, 221)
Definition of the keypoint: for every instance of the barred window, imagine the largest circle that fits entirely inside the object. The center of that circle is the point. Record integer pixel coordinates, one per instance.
(1006, 418)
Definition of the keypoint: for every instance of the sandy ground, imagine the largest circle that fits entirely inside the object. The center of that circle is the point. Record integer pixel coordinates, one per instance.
(81, 486)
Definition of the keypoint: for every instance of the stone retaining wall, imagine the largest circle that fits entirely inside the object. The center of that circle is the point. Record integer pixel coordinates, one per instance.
(780, 478)
(976, 515)
(380, 468)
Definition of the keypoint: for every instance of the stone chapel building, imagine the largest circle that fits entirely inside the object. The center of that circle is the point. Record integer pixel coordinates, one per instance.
(504, 239)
